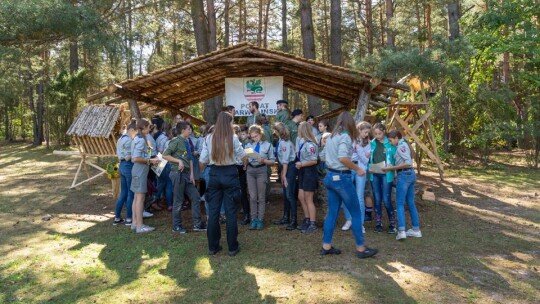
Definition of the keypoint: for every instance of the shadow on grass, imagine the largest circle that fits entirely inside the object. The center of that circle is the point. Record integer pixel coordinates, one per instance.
(447, 265)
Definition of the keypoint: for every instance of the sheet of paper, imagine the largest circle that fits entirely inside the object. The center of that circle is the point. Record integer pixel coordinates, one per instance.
(251, 153)
(377, 168)
(160, 166)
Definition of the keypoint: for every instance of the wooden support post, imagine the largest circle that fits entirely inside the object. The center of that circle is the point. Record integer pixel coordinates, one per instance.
(362, 106)
(134, 109)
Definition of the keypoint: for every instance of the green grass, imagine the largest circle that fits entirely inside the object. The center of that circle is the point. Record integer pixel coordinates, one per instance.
(481, 245)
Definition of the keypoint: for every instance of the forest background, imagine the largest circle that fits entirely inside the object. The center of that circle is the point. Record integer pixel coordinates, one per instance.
(480, 57)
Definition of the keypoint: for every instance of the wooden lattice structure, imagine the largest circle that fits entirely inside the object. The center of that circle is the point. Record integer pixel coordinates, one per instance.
(410, 113)
(93, 131)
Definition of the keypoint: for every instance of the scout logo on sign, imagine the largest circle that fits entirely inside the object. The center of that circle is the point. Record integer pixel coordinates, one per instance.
(254, 89)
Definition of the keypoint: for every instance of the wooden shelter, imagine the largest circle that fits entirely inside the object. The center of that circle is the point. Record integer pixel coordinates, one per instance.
(176, 87)
(203, 77)
(93, 131)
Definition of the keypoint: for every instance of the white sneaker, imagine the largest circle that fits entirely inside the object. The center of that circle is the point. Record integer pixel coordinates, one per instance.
(144, 229)
(146, 214)
(412, 233)
(363, 230)
(401, 235)
(347, 226)
(133, 227)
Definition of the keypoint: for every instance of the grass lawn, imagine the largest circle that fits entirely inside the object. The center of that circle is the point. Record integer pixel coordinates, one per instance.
(481, 244)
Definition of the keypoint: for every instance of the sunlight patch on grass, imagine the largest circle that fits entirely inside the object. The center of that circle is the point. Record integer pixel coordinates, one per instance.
(153, 265)
(315, 287)
(422, 286)
(203, 269)
(526, 237)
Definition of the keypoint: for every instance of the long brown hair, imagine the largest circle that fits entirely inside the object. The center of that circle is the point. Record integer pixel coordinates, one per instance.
(305, 131)
(281, 130)
(222, 139)
(345, 122)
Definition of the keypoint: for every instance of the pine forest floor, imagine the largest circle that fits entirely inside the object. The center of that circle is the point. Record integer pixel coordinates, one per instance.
(481, 244)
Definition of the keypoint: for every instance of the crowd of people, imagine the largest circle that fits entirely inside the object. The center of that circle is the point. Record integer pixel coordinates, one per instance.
(228, 166)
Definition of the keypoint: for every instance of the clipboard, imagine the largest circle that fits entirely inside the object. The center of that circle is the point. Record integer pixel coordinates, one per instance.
(160, 166)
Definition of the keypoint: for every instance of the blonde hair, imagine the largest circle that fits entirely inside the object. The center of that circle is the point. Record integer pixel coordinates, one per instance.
(281, 130)
(258, 129)
(361, 126)
(305, 131)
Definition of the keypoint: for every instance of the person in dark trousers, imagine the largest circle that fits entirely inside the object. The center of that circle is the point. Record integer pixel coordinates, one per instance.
(221, 153)
(179, 154)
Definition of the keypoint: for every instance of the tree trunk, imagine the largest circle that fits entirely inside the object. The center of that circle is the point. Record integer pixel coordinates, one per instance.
(419, 25)
(369, 26)
(174, 43)
(284, 44)
(130, 61)
(212, 41)
(381, 21)
(260, 24)
(390, 44)
(240, 20)
(226, 22)
(453, 20)
(308, 46)
(427, 15)
(202, 41)
(134, 109)
(357, 16)
(266, 17)
(40, 89)
(446, 122)
(73, 56)
(335, 33)
(325, 48)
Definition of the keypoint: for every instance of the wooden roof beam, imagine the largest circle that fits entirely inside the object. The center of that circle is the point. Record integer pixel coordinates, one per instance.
(126, 93)
(208, 58)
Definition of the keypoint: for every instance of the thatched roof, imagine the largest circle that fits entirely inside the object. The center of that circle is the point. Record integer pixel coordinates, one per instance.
(95, 121)
(203, 77)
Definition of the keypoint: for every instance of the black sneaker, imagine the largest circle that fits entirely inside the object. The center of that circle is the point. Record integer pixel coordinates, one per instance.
(200, 228)
(392, 229)
(367, 217)
(378, 229)
(332, 250)
(179, 229)
(310, 229)
(366, 253)
(245, 221)
(214, 252)
(304, 225)
(128, 222)
(118, 221)
(234, 252)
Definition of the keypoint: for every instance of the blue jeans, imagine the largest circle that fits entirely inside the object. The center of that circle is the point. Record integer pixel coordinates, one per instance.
(126, 195)
(382, 191)
(292, 184)
(359, 184)
(341, 189)
(164, 184)
(405, 193)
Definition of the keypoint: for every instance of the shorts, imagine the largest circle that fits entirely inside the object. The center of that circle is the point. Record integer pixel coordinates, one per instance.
(308, 178)
(139, 174)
